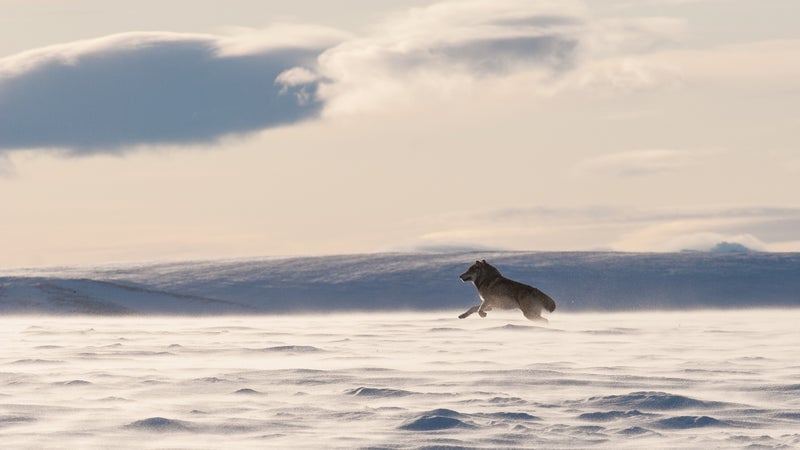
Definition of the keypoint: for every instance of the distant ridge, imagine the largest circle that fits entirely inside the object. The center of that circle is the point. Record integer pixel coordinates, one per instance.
(724, 247)
(578, 281)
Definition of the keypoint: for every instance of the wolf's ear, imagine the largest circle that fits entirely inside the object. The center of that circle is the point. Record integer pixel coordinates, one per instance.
(477, 262)
(484, 261)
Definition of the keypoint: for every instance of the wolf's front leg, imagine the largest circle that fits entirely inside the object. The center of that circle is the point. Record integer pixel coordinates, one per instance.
(468, 312)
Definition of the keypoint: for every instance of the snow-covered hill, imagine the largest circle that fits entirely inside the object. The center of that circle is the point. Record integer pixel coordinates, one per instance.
(402, 281)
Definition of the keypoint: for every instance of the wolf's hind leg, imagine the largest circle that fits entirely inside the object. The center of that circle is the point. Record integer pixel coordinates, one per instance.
(533, 315)
(532, 309)
(469, 312)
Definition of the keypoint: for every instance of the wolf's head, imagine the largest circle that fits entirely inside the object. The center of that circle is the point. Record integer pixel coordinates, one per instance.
(479, 271)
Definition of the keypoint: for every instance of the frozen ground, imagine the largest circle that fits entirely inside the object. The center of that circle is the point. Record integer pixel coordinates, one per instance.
(405, 380)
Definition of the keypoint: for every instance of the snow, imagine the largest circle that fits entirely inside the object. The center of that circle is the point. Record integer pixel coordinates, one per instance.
(427, 281)
(645, 379)
(366, 351)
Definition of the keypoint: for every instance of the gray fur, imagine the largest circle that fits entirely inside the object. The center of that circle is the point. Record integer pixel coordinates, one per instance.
(497, 291)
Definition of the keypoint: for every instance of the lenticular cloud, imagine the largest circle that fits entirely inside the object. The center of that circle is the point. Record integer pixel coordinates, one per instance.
(111, 93)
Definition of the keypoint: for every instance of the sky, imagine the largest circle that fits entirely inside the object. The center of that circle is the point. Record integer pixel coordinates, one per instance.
(173, 130)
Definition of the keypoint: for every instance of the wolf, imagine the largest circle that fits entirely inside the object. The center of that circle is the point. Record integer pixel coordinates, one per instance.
(497, 291)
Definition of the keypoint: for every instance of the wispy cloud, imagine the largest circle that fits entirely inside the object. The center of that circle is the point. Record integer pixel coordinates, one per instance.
(119, 91)
(636, 163)
(455, 47)
(618, 228)
(639, 3)
(6, 167)
(447, 48)
(126, 90)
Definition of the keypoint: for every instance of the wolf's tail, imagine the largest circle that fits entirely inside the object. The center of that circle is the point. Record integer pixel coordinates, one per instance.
(549, 303)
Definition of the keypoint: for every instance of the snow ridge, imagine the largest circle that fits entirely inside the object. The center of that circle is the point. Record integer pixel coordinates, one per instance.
(403, 281)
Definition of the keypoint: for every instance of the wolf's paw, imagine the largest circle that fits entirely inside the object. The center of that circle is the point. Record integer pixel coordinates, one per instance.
(483, 314)
(463, 316)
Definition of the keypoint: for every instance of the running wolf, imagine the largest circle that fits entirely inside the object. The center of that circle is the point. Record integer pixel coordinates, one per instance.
(497, 291)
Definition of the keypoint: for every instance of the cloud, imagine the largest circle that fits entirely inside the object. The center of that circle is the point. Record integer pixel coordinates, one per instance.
(449, 47)
(619, 214)
(672, 67)
(760, 228)
(6, 167)
(640, 3)
(689, 235)
(616, 228)
(634, 35)
(636, 163)
(132, 89)
(454, 48)
(124, 90)
(116, 92)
